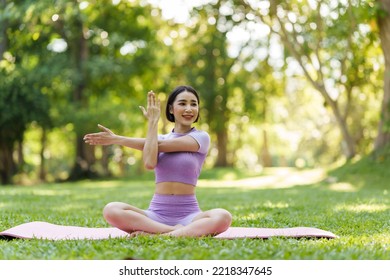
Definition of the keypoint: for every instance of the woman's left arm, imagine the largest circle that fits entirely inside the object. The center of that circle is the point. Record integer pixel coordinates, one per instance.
(196, 141)
(152, 113)
(181, 144)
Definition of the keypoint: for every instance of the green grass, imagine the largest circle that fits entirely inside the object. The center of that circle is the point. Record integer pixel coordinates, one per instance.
(353, 202)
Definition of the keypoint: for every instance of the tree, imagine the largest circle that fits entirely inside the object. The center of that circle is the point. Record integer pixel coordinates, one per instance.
(329, 44)
(98, 40)
(21, 99)
(383, 137)
(209, 66)
(78, 57)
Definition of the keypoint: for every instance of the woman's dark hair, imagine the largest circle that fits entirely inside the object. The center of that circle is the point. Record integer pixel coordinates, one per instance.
(172, 98)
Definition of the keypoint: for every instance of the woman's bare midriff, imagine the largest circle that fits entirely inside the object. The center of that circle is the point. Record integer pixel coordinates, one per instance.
(174, 188)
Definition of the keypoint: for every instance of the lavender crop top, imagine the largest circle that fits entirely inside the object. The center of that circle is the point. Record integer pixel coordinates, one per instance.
(183, 167)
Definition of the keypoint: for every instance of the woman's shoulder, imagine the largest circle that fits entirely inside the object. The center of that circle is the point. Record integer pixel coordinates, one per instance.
(164, 136)
(197, 134)
(200, 133)
(203, 139)
(195, 130)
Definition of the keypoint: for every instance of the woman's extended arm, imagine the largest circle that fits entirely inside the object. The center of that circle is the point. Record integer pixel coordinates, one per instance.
(153, 145)
(107, 137)
(152, 113)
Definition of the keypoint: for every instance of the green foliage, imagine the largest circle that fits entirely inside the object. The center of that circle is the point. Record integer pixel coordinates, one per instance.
(21, 102)
(71, 65)
(21, 99)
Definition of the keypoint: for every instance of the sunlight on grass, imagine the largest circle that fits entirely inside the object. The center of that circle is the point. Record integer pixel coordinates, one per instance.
(369, 208)
(267, 204)
(342, 187)
(382, 238)
(278, 205)
(275, 178)
(69, 207)
(47, 192)
(103, 184)
(251, 216)
(229, 176)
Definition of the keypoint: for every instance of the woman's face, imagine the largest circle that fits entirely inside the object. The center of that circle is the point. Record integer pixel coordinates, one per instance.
(185, 108)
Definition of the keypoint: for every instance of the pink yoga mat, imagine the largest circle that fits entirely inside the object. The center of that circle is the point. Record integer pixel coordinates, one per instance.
(43, 230)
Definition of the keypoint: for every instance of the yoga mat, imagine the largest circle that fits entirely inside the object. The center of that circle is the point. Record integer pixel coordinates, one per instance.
(43, 230)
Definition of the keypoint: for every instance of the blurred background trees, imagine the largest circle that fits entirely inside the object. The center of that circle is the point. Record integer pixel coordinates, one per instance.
(282, 83)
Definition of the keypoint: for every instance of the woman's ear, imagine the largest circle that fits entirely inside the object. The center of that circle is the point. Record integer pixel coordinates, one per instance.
(170, 109)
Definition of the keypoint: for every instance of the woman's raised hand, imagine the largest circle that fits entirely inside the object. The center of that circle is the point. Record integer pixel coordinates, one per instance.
(152, 111)
(106, 137)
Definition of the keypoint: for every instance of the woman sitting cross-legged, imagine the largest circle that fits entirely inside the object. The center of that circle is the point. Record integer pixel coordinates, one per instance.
(177, 159)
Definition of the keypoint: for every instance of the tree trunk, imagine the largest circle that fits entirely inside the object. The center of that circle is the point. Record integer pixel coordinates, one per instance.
(42, 169)
(266, 159)
(222, 148)
(7, 164)
(3, 31)
(106, 160)
(84, 153)
(350, 151)
(20, 155)
(383, 137)
(290, 42)
(221, 118)
(85, 158)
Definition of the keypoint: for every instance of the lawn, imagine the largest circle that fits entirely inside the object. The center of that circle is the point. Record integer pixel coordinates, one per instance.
(353, 202)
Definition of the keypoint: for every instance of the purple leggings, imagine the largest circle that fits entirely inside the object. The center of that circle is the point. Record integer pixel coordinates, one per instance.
(173, 209)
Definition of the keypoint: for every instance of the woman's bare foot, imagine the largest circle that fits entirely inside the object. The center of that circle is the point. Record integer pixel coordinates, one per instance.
(176, 227)
(139, 233)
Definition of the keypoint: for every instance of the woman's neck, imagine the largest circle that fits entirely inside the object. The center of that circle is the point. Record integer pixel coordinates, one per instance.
(182, 129)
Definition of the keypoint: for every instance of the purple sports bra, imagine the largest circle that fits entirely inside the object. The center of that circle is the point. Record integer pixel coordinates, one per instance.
(183, 167)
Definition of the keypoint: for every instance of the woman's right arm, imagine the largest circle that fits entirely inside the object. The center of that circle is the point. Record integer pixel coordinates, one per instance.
(107, 137)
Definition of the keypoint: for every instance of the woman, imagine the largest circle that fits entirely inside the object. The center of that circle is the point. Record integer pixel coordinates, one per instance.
(177, 159)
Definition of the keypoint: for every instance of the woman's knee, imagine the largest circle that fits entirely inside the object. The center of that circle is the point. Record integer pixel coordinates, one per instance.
(223, 219)
(111, 210)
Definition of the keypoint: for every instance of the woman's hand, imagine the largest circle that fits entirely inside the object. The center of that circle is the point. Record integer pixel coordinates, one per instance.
(106, 137)
(152, 111)
(152, 114)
